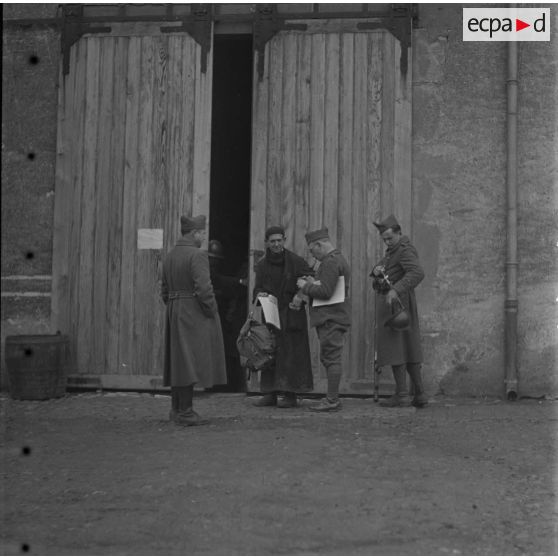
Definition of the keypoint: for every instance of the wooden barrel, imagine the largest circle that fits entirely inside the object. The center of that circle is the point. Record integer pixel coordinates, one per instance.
(37, 365)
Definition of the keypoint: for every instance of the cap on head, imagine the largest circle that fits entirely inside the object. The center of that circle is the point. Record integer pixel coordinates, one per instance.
(215, 249)
(189, 224)
(320, 234)
(387, 223)
(276, 229)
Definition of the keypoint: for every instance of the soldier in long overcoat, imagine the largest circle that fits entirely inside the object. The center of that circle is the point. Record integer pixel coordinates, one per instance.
(399, 348)
(276, 274)
(194, 352)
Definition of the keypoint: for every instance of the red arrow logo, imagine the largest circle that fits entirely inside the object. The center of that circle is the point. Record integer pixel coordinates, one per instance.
(519, 25)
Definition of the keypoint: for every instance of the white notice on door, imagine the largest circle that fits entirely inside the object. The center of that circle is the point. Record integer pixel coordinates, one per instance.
(150, 239)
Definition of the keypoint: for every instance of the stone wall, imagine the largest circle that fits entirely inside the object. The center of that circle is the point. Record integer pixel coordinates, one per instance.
(538, 214)
(30, 65)
(459, 197)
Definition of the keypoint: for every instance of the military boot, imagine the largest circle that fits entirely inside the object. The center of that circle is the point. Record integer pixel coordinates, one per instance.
(186, 416)
(288, 400)
(267, 400)
(189, 417)
(419, 397)
(326, 405)
(174, 404)
(401, 396)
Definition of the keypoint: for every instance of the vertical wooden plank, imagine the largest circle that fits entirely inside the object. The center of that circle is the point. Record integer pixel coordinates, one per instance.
(402, 141)
(187, 133)
(115, 209)
(388, 104)
(331, 134)
(144, 188)
(302, 142)
(344, 229)
(275, 156)
(373, 183)
(346, 172)
(258, 189)
(63, 201)
(202, 136)
(88, 206)
(317, 119)
(77, 123)
(260, 131)
(129, 220)
(288, 138)
(358, 262)
(159, 192)
(316, 187)
(101, 209)
(174, 145)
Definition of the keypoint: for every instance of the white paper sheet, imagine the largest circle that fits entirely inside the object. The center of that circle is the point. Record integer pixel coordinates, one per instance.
(337, 296)
(150, 239)
(270, 310)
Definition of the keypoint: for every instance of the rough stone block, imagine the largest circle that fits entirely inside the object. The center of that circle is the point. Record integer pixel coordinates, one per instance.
(30, 89)
(27, 213)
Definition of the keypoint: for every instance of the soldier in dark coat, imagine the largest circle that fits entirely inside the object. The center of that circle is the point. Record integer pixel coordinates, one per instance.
(193, 339)
(231, 294)
(399, 348)
(276, 274)
(333, 320)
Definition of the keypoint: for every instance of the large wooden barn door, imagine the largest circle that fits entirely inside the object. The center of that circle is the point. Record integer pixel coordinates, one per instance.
(133, 155)
(331, 147)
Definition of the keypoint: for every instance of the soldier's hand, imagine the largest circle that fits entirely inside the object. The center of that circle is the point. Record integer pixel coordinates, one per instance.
(391, 296)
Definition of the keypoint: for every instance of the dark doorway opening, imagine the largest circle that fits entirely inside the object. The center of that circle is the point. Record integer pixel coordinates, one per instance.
(229, 223)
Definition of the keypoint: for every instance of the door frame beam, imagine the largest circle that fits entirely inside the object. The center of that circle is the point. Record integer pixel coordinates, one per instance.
(196, 20)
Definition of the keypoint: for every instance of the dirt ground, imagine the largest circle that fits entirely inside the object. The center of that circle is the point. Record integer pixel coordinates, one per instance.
(107, 474)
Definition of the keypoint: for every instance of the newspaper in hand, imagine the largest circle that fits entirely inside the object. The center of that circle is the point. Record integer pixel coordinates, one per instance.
(270, 310)
(337, 297)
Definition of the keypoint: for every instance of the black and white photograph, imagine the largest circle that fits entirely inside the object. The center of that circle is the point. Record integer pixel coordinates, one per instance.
(279, 279)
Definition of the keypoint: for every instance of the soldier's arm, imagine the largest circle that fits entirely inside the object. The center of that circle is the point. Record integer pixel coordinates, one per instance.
(202, 284)
(258, 283)
(306, 270)
(328, 277)
(164, 287)
(414, 273)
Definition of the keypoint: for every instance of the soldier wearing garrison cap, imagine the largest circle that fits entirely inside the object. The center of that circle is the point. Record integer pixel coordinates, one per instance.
(193, 352)
(332, 321)
(400, 348)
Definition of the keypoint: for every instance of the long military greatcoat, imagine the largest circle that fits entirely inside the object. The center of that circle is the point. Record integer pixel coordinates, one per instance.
(293, 364)
(194, 351)
(405, 273)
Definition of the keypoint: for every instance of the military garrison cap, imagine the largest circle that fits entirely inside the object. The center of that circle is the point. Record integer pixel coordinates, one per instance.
(317, 235)
(387, 223)
(188, 224)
